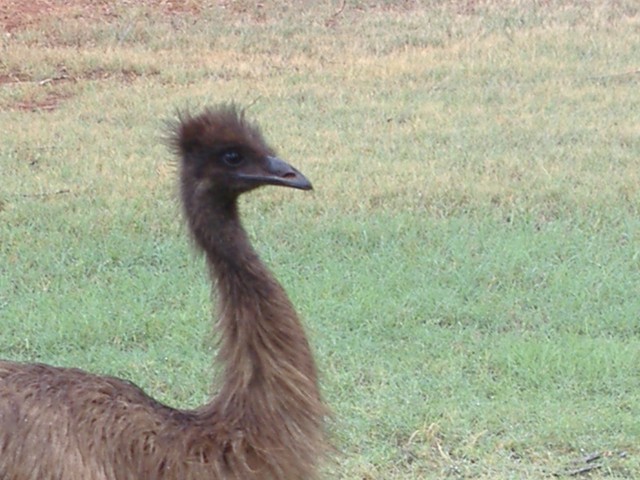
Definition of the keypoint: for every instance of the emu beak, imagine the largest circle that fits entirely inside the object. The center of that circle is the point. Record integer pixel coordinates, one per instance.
(279, 172)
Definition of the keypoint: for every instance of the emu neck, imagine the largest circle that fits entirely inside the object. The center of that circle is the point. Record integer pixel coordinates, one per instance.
(267, 362)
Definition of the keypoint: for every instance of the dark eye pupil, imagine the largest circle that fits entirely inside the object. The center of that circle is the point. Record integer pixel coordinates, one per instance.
(232, 158)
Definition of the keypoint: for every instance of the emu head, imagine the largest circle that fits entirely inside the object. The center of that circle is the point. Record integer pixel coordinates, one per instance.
(224, 155)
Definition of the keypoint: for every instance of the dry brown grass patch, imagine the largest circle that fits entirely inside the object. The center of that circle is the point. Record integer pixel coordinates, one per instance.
(18, 14)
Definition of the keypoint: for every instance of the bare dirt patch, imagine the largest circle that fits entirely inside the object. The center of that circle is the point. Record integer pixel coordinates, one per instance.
(7, 78)
(46, 104)
(125, 75)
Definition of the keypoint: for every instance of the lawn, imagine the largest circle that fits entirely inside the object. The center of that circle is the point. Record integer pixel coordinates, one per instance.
(468, 265)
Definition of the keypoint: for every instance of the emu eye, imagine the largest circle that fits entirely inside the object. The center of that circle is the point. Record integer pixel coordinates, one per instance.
(232, 158)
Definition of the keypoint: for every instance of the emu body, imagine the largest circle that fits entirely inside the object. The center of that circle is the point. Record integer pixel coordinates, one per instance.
(265, 422)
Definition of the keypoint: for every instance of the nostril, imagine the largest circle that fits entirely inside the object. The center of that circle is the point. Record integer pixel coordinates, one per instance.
(289, 175)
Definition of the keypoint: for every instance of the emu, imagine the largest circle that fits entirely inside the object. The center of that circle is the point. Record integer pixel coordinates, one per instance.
(266, 420)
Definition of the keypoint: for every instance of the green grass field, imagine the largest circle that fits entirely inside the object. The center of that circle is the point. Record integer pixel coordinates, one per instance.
(468, 266)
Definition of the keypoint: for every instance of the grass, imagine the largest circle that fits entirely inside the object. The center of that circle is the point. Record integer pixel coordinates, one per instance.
(468, 265)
